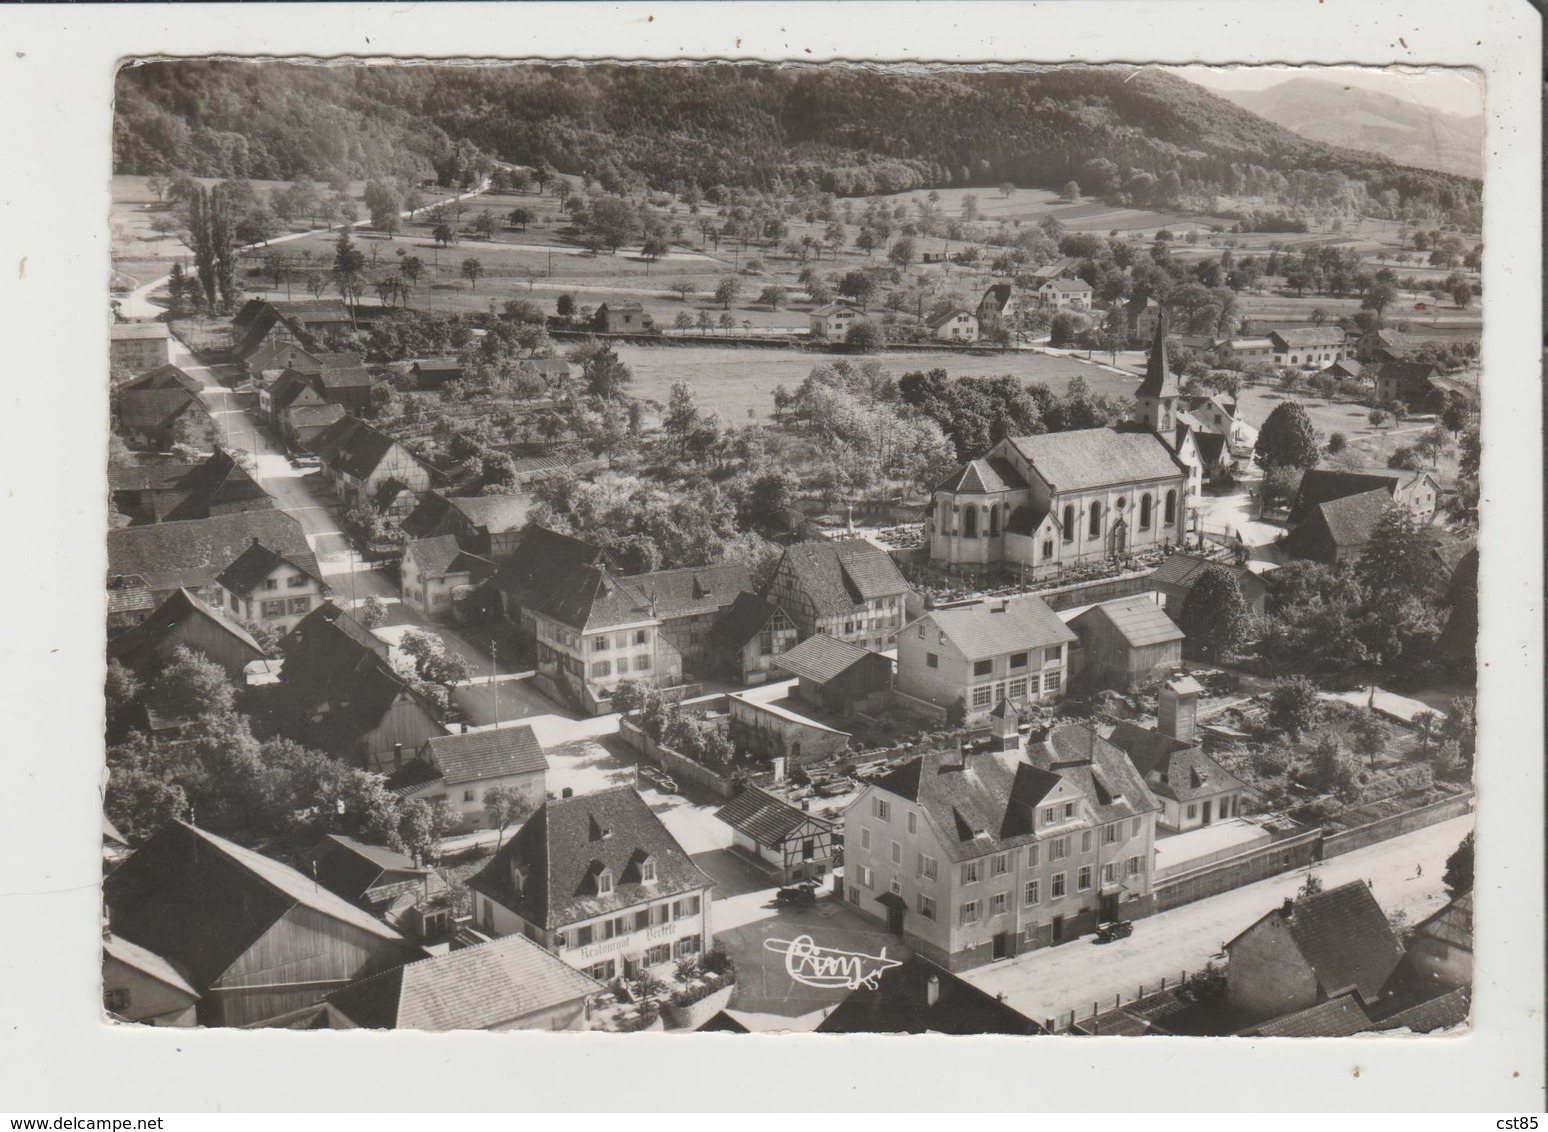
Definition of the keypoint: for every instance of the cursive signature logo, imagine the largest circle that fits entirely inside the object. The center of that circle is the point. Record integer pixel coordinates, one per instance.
(826, 968)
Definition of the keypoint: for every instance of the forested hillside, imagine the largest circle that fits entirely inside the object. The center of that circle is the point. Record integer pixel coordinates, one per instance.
(1145, 138)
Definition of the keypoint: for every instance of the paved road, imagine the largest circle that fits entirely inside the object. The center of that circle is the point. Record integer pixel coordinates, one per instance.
(1046, 983)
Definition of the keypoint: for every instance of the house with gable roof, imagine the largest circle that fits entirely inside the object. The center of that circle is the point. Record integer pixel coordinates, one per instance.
(972, 856)
(459, 769)
(832, 321)
(169, 493)
(362, 462)
(154, 419)
(688, 601)
(918, 997)
(140, 986)
(505, 984)
(845, 588)
(597, 880)
(183, 621)
(338, 693)
(267, 588)
(1175, 578)
(1338, 529)
(139, 346)
(486, 525)
(959, 325)
(191, 554)
(431, 571)
(1312, 949)
(1418, 491)
(1310, 346)
(252, 937)
(978, 656)
(1062, 294)
(748, 637)
(1194, 790)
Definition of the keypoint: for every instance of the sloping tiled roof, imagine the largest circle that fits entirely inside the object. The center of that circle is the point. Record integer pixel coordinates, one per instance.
(255, 564)
(194, 552)
(1452, 925)
(540, 561)
(495, 753)
(840, 574)
(164, 377)
(763, 817)
(1442, 1012)
(1096, 457)
(314, 418)
(440, 556)
(1345, 938)
(498, 514)
(1320, 485)
(1409, 376)
(833, 308)
(147, 963)
(351, 868)
(1336, 1018)
(1185, 570)
(1023, 622)
(1299, 337)
(591, 597)
(744, 620)
(1172, 768)
(353, 447)
(691, 590)
(900, 1004)
(202, 901)
(984, 802)
(1351, 519)
(153, 639)
(997, 298)
(1141, 622)
(153, 408)
(562, 849)
(475, 988)
(941, 320)
(982, 476)
(822, 658)
(344, 377)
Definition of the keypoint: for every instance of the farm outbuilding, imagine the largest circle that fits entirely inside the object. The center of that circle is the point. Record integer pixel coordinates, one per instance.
(788, 843)
(1125, 644)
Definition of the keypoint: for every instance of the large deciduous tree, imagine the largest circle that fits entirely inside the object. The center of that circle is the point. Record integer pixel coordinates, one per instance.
(1287, 438)
(1215, 615)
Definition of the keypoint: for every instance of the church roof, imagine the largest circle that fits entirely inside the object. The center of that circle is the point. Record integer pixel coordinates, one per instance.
(982, 477)
(1096, 457)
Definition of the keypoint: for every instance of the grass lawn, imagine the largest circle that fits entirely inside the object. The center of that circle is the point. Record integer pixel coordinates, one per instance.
(739, 383)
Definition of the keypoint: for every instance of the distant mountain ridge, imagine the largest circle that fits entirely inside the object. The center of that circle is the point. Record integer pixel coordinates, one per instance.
(1329, 111)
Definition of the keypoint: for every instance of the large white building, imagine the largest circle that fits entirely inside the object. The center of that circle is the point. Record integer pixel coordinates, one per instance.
(982, 856)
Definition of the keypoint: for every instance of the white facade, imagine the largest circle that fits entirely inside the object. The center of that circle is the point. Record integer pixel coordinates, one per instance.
(278, 602)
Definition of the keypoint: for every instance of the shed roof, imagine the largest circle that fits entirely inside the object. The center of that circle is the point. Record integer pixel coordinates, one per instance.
(822, 658)
(1140, 621)
(475, 988)
(765, 818)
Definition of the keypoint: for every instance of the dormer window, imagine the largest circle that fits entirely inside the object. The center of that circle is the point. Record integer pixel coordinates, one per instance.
(605, 882)
(648, 871)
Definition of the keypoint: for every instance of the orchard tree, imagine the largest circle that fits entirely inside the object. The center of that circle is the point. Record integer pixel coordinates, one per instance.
(1370, 734)
(1378, 297)
(503, 806)
(1287, 438)
(727, 291)
(471, 269)
(902, 253)
(864, 337)
(1215, 616)
(1292, 705)
(421, 826)
(682, 415)
(1399, 561)
(772, 296)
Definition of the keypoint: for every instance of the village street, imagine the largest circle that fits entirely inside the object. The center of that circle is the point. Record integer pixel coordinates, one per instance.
(1046, 983)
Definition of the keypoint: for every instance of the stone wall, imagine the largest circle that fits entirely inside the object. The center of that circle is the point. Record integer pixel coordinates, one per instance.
(678, 765)
(1336, 844)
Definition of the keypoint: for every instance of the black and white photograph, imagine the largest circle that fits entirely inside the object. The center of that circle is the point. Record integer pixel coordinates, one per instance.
(761, 557)
(794, 549)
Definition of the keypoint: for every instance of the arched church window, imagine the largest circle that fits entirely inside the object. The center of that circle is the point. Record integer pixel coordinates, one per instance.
(1145, 512)
(1171, 508)
(1069, 524)
(1095, 527)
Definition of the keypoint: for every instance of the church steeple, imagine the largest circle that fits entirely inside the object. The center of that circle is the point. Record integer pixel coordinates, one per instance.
(1155, 401)
(1159, 381)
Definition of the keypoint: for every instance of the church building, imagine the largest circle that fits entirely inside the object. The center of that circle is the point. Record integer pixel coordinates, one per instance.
(1040, 504)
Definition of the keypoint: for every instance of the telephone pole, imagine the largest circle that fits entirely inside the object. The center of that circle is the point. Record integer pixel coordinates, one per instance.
(494, 670)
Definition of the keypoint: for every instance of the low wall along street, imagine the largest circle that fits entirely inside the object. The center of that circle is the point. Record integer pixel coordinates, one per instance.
(677, 765)
(1336, 844)
(1233, 872)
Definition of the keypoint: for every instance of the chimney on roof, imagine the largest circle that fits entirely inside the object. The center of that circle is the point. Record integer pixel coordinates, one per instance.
(567, 792)
(1002, 606)
(932, 990)
(397, 756)
(465, 729)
